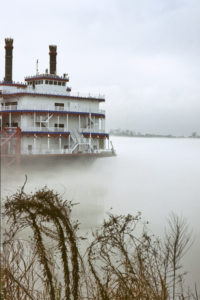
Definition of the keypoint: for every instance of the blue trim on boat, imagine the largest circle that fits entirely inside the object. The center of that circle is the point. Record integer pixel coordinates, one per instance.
(62, 132)
(95, 133)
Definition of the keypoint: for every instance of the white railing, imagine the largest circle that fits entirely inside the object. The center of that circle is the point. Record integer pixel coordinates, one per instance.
(44, 129)
(61, 151)
(48, 76)
(58, 129)
(8, 107)
(12, 83)
(55, 93)
(88, 95)
(92, 130)
(51, 108)
(47, 151)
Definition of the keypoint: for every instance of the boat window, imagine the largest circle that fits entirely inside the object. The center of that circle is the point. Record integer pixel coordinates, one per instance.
(55, 82)
(10, 103)
(59, 104)
(29, 148)
(46, 82)
(63, 83)
(50, 82)
(59, 83)
(59, 125)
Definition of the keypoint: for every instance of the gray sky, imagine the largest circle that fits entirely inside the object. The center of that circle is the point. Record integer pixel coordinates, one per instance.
(143, 55)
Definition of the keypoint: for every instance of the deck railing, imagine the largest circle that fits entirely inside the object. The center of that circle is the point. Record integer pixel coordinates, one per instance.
(59, 151)
(55, 93)
(50, 108)
(59, 129)
(43, 129)
(46, 151)
(49, 76)
(2, 82)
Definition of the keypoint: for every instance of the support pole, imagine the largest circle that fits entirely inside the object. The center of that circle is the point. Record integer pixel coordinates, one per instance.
(48, 120)
(69, 142)
(10, 120)
(48, 142)
(21, 125)
(34, 143)
(60, 142)
(90, 141)
(34, 120)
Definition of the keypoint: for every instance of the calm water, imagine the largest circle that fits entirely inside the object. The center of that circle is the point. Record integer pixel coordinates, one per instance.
(154, 176)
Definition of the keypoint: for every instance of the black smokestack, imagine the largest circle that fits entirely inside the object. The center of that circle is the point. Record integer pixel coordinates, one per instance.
(8, 60)
(53, 53)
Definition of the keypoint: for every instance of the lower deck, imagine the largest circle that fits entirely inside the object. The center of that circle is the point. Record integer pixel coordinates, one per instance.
(17, 146)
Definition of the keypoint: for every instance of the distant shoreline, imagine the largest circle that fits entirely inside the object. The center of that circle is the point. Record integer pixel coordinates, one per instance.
(149, 135)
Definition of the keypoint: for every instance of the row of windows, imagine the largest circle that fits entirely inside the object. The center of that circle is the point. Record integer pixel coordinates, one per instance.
(35, 82)
(52, 82)
(55, 82)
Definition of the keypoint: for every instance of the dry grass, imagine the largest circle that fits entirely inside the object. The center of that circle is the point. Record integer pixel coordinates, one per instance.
(124, 261)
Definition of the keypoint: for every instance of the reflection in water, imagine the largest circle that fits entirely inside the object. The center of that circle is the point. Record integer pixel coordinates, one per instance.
(154, 176)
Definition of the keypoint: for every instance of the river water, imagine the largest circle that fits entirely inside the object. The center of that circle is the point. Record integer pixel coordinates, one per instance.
(155, 176)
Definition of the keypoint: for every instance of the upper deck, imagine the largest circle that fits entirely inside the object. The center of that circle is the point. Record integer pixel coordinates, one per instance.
(44, 85)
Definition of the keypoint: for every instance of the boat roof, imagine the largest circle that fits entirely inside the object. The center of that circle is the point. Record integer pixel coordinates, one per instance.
(47, 76)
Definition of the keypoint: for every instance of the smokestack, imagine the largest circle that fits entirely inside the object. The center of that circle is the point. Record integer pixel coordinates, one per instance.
(8, 59)
(52, 54)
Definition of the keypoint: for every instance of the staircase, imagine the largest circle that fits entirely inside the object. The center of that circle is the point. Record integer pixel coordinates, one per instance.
(43, 121)
(80, 143)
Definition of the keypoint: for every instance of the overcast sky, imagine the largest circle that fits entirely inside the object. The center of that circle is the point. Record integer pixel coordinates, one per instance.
(143, 55)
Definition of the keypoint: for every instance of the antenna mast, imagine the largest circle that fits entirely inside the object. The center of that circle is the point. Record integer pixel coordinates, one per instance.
(37, 62)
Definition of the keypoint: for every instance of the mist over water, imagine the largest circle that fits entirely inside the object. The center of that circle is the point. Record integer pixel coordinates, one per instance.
(154, 176)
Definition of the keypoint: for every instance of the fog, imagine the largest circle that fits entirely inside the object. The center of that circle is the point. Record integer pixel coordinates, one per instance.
(153, 176)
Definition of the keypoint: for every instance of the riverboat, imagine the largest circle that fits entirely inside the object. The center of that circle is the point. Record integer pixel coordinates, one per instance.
(42, 118)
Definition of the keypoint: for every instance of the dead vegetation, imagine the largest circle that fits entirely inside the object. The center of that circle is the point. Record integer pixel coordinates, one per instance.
(123, 261)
